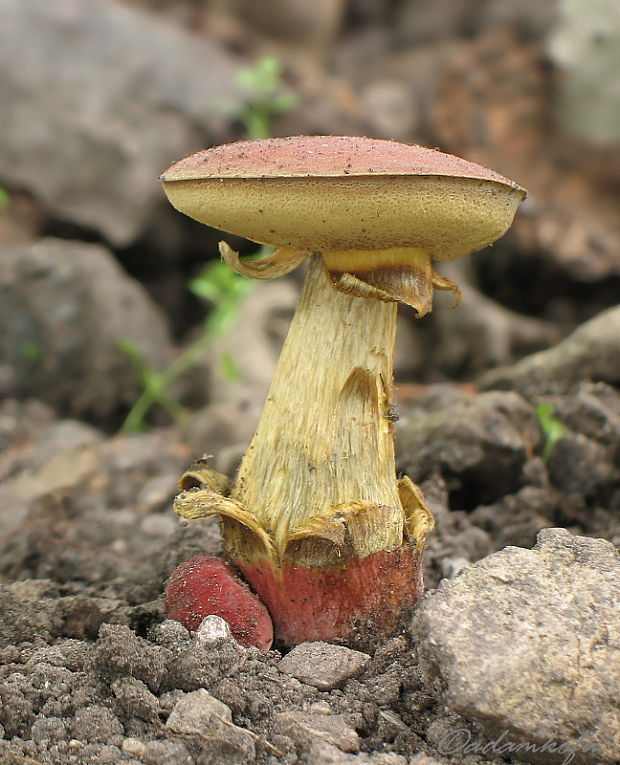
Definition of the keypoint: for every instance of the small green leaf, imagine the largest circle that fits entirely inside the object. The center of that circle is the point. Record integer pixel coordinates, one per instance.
(154, 384)
(552, 428)
(284, 102)
(267, 97)
(5, 198)
(134, 354)
(230, 370)
(31, 351)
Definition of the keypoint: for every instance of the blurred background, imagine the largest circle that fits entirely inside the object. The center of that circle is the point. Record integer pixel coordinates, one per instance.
(115, 311)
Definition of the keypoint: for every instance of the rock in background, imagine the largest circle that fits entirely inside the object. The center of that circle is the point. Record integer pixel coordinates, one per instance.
(66, 307)
(99, 102)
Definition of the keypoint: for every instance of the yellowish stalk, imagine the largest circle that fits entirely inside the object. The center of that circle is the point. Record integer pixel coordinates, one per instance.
(325, 437)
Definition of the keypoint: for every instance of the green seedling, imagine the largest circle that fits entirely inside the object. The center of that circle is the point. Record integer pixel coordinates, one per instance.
(216, 283)
(267, 97)
(226, 291)
(552, 428)
(154, 390)
(5, 199)
(31, 351)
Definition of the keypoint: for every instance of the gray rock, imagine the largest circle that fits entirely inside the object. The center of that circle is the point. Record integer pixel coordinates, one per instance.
(26, 444)
(478, 443)
(133, 746)
(92, 753)
(452, 566)
(304, 728)
(527, 644)
(72, 472)
(591, 353)
(212, 632)
(158, 492)
(201, 714)
(197, 712)
(529, 18)
(254, 345)
(90, 134)
(482, 334)
(133, 460)
(293, 20)
(578, 465)
(433, 21)
(323, 665)
(323, 753)
(64, 307)
(585, 47)
(585, 460)
(593, 410)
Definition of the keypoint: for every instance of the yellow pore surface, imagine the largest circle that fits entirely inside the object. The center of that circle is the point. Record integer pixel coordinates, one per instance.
(447, 216)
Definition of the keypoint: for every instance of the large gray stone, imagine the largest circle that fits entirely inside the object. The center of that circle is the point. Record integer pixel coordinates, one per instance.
(585, 47)
(97, 100)
(64, 307)
(527, 644)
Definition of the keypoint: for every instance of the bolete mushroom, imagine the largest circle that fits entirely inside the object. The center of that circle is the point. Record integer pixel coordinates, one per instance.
(316, 519)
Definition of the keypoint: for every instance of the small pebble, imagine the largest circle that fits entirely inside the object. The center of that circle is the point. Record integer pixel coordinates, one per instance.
(323, 665)
(133, 746)
(303, 728)
(212, 630)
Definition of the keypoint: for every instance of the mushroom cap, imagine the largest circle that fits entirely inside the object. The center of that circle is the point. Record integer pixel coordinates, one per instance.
(343, 193)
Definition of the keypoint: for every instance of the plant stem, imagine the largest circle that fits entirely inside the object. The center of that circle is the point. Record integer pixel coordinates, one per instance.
(157, 393)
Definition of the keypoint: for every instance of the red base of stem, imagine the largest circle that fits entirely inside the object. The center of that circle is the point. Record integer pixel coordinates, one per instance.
(351, 604)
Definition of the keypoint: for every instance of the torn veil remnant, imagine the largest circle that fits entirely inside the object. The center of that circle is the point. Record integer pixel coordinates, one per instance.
(316, 519)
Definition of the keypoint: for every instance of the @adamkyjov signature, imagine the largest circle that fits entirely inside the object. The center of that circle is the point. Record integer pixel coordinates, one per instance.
(461, 740)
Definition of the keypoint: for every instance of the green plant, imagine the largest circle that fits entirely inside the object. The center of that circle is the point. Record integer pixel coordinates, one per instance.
(31, 351)
(267, 97)
(5, 198)
(225, 290)
(216, 283)
(552, 428)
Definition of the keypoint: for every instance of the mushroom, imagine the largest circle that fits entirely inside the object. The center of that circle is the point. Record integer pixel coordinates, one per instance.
(316, 519)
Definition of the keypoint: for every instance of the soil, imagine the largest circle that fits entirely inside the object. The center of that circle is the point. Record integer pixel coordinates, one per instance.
(90, 667)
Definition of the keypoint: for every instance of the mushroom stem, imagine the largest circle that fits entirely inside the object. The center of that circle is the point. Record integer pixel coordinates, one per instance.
(317, 521)
(325, 434)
